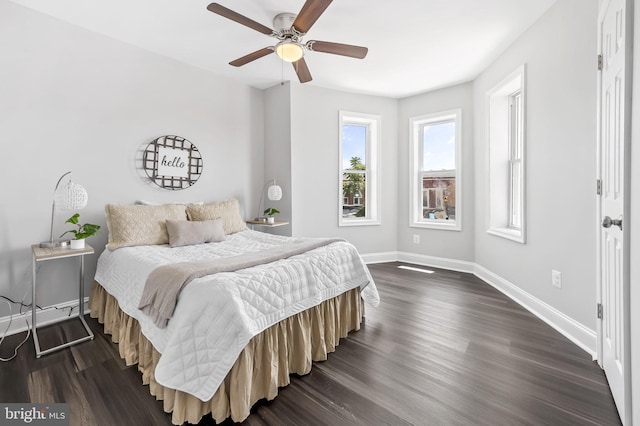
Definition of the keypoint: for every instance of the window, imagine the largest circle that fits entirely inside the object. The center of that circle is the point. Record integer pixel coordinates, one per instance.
(506, 130)
(359, 166)
(435, 171)
(515, 160)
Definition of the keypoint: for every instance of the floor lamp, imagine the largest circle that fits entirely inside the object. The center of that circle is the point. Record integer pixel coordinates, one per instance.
(70, 197)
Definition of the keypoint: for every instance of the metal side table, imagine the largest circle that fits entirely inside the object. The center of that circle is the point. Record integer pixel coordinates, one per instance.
(41, 254)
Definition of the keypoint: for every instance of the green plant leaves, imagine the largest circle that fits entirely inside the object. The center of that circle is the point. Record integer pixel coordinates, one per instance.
(271, 211)
(73, 219)
(83, 231)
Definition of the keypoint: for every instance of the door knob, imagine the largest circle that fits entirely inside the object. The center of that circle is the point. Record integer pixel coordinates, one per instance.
(607, 222)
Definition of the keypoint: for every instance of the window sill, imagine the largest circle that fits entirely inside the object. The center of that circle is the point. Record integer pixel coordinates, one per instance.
(507, 233)
(362, 222)
(445, 226)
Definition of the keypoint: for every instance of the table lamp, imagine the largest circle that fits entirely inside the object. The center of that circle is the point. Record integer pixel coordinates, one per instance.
(274, 194)
(70, 197)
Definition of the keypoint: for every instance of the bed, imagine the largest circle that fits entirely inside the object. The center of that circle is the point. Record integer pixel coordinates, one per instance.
(233, 337)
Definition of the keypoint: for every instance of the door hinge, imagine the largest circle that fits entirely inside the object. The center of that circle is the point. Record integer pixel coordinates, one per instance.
(599, 310)
(600, 63)
(599, 187)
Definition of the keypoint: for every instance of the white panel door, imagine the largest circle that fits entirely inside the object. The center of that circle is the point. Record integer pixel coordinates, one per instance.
(614, 145)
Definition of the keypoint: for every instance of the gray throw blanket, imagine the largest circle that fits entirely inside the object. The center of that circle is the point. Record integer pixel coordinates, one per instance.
(164, 284)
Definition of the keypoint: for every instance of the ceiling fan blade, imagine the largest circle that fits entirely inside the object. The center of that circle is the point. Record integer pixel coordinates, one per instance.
(309, 14)
(301, 68)
(235, 16)
(337, 49)
(251, 57)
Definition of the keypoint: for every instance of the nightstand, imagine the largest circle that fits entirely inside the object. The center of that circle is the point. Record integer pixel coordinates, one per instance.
(254, 223)
(42, 254)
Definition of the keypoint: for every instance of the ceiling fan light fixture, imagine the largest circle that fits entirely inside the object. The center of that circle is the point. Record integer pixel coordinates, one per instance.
(289, 51)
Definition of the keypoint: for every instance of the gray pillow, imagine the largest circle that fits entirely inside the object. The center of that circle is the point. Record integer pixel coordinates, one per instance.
(185, 233)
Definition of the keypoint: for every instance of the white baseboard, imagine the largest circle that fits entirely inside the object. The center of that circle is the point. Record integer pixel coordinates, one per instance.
(390, 256)
(436, 262)
(48, 315)
(579, 334)
(582, 336)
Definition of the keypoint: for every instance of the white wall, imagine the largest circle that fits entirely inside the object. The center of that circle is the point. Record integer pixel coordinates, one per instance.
(559, 52)
(277, 152)
(456, 245)
(315, 166)
(75, 100)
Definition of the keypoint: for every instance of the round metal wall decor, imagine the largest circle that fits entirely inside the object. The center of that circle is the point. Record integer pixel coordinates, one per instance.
(172, 162)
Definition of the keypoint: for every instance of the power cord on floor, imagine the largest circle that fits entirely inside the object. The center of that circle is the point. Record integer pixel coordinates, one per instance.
(4, 334)
(11, 302)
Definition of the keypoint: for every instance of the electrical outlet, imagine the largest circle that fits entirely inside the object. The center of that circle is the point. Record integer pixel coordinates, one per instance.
(416, 239)
(556, 278)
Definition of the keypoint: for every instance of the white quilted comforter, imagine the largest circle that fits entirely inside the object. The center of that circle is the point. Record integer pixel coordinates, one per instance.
(217, 315)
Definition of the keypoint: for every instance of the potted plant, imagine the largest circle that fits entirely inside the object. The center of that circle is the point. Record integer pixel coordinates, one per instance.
(270, 212)
(84, 231)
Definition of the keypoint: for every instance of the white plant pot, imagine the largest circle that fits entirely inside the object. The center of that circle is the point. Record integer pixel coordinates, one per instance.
(271, 219)
(77, 244)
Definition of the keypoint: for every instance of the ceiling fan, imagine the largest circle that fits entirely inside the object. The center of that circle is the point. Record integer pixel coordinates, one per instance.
(289, 30)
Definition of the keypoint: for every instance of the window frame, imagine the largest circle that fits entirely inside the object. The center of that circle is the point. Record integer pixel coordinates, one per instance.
(372, 172)
(416, 126)
(515, 160)
(506, 158)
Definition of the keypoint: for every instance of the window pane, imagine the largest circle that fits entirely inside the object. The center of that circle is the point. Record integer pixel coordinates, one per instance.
(439, 196)
(515, 125)
(439, 146)
(353, 193)
(434, 155)
(354, 146)
(515, 199)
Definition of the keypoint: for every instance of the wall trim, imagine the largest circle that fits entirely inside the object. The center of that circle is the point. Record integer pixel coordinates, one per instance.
(46, 316)
(389, 256)
(579, 334)
(582, 336)
(436, 262)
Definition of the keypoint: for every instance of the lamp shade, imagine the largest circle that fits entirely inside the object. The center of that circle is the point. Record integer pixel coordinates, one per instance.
(275, 192)
(71, 197)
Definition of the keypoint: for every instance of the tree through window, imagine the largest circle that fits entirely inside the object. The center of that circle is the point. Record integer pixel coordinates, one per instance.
(359, 142)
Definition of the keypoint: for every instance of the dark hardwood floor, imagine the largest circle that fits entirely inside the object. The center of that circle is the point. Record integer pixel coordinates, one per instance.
(441, 349)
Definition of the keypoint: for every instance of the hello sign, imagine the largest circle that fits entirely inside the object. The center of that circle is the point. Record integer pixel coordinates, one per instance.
(172, 162)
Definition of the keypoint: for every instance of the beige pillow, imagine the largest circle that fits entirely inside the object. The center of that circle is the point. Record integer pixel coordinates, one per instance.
(135, 225)
(228, 211)
(186, 233)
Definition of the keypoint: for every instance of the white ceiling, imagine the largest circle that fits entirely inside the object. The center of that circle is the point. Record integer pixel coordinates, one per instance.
(414, 45)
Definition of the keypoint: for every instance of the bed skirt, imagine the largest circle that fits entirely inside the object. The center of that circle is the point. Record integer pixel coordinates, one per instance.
(262, 367)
